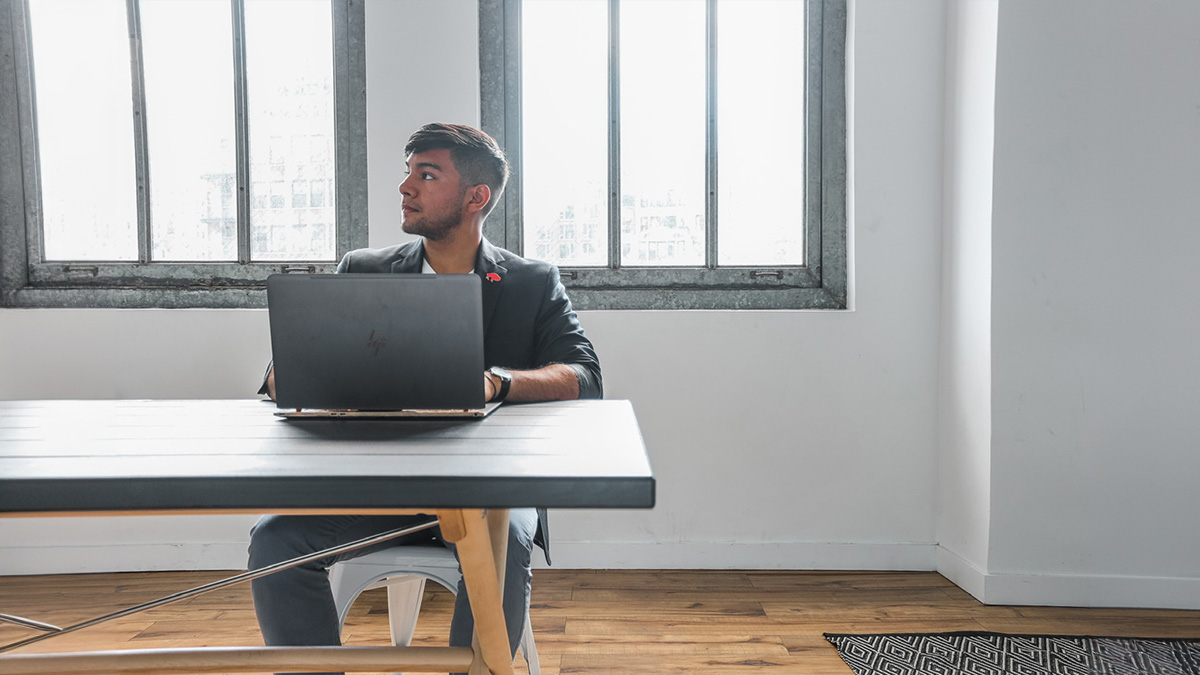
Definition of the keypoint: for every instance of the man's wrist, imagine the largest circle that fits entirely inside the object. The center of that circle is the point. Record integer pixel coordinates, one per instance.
(501, 380)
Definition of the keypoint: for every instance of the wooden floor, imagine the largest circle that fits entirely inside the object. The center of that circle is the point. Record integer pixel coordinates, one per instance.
(596, 621)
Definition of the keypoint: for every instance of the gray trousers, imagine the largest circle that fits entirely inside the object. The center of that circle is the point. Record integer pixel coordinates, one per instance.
(295, 607)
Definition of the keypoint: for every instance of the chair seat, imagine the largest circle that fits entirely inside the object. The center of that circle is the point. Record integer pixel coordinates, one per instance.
(403, 570)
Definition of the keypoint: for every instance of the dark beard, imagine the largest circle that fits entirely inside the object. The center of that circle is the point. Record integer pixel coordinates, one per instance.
(434, 230)
(437, 229)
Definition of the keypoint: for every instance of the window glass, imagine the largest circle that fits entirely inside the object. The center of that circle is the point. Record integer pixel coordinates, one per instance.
(187, 51)
(565, 132)
(85, 129)
(663, 121)
(289, 64)
(760, 106)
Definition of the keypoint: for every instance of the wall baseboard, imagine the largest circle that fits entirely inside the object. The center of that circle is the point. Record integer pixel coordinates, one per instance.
(1063, 590)
(1060, 590)
(961, 572)
(566, 555)
(742, 555)
(989, 588)
(33, 560)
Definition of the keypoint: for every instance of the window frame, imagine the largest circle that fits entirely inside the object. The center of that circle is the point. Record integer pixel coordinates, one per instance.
(819, 283)
(26, 280)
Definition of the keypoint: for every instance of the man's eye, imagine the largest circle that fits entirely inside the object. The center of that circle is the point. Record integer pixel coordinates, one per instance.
(425, 175)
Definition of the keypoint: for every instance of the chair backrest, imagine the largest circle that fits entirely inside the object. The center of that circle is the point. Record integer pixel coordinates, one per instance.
(403, 569)
(351, 577)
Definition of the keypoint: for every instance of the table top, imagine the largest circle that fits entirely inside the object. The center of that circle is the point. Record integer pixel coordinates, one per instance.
(167, 455)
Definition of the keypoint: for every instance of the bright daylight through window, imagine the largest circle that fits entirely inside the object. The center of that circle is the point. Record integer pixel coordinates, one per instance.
(688, 153)
(181, 144)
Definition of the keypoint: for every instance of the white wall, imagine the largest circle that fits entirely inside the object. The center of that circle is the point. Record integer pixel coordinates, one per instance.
(422, 66)
(1095, 298)
(806, 439)
(965, 366)
(1015, 381)
(1063, 472)
(1067, 464)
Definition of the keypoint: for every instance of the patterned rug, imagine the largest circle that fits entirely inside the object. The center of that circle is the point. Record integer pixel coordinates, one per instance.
(1002, 654)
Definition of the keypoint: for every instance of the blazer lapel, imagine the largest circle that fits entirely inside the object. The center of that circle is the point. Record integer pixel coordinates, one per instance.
(489, 268)
(411, 261)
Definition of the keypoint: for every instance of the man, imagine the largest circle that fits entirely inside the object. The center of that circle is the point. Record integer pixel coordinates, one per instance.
(534, 349)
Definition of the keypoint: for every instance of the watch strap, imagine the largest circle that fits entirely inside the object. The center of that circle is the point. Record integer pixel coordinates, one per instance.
(505, 382)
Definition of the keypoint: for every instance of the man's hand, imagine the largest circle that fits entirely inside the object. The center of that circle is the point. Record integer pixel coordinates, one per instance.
(271, 384)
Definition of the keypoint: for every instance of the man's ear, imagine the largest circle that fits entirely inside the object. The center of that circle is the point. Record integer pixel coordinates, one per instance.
(478, 197)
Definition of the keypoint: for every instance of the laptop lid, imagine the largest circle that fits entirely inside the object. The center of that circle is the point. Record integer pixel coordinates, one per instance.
(377, 341)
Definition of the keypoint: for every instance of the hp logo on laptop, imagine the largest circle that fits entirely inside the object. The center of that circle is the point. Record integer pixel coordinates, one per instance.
(376, 342)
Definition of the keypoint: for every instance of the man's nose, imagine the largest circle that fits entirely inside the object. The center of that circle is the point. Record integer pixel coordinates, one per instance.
(405, 187)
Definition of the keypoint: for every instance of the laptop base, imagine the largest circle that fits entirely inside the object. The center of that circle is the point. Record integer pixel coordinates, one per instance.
(458, 413)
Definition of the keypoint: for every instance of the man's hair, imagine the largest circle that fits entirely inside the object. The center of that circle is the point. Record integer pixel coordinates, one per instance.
(476, 155)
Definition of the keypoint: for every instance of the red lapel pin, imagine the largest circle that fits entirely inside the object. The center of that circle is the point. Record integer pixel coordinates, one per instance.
(492, 276)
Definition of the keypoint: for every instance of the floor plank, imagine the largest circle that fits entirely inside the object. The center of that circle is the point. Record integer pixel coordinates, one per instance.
(595, 621)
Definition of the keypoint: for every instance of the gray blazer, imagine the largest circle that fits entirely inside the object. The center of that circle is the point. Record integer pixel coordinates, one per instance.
(528, 321)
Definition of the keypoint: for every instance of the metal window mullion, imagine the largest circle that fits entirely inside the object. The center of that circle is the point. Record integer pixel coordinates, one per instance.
(831, 248)
(814, 137)
(21, 108)
(339, 13)
(241, 129)
(141, 149)
(514, 233)
(498, 37)
(614, 134)
(350, 190)
(710, 144)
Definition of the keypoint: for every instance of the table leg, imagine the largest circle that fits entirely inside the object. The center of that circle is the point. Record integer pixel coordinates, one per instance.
(497, 526)
(483, 563)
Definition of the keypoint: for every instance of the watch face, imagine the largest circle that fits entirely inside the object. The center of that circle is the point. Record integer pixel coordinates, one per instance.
(500, 373)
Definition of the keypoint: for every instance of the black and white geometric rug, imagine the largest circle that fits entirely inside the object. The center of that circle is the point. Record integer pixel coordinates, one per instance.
(1003, 654)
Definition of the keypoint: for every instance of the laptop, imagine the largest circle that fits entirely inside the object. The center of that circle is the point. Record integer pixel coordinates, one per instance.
(377, 345)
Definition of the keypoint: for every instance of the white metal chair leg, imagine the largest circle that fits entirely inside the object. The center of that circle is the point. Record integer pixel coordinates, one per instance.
(529, 649)
(404, 606)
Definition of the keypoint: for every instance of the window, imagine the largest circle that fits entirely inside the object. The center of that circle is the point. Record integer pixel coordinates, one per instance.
(684, 154)
(173, 153)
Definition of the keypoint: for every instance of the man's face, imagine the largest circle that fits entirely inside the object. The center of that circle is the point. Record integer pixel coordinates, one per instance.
(433, 198)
